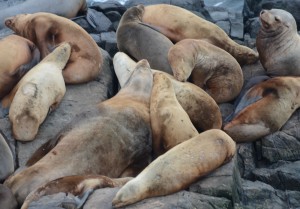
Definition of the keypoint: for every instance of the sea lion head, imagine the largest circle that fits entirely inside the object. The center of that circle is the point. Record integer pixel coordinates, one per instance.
(17, 23)
(277, 20)
(133, 14)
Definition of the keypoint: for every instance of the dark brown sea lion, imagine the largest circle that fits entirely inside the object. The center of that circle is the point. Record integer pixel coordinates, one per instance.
(39, 91)
(207, 66)
(278, 43)
(114, 138)
(179, 167)
(177, 24)
(48, 30)
(17, 56)
(141, 41)
(64, 8)
(264, 109)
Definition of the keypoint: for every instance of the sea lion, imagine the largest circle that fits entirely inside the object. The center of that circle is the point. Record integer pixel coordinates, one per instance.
(264, 109)
(141, 41)
(118, 125)
(278, 43)
(48, 30)
(17, 56)
(208, 66)
(179, 167)
(170, 124)
(39, 91)
(201, 108)
(177, 24)
(76, 185)
(6, 159)
(7, 199)
(63, 8)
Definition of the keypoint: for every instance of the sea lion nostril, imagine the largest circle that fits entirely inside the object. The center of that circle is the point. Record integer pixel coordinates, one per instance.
(262, 12)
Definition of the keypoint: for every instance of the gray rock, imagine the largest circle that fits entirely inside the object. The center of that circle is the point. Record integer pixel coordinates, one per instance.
(283, 144)
(226, 109)
(218, 14)
(109, 42)
(284, 177)
(252, 70)
(113, 16)
(55, 201)
(98, 21)
(108, 6)
(262, 196)
(246, 159)
(237, 25)
(217, 184)
(252, 27)
(84, 24)
(225, 25)
(101, 199)
(7, 199)
(229, 5)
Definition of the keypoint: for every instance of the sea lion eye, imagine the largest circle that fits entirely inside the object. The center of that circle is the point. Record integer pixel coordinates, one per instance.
(277, 19)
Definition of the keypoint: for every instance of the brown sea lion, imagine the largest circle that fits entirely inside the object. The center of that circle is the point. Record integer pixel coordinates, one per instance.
(201, 108)
(264, 109)
(141, 41)
(7, 199)
(64, 8)
(208, 66)
(119, 125)
(170, 124)
(179, 167)
(76, 185)
(6, 159)
(177, 24)
(278, 43)
(39, 91)
(17, 56)
(48, 30)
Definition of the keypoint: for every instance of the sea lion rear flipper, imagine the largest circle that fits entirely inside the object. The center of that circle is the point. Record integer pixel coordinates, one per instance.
(43, 150)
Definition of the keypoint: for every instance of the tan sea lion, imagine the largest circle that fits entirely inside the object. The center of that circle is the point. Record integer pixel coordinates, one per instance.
(179, 167)
(141, 41)
(264, 109)
(6, 159)
(201, 108)
(48, 30)
(17, 56)
(278, 43)
(76, 185)
(208, 66)
(170, 124)
(7, 199)
(119, 125)
(177, 24)
(64, 8)
(39, 91)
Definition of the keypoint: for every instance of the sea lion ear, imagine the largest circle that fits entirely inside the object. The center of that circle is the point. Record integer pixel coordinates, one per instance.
(8, 22)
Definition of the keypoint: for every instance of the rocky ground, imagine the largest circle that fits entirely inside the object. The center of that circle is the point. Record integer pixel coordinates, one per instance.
(264, 174)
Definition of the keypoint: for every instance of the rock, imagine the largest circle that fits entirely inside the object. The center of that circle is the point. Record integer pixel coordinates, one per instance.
(109, 42)
(260, 195)
(108, 6)
(283, 144)
(102, 198)
(98, 21)
(217, 184)
(252, 70)
(284, 177)
(235, 6)
(7, 199)
(84, 24)
(246, 159)
(237, 26)
(225, 25)
(55, 201)
(252, 27)
(226, 109)
(113, 16)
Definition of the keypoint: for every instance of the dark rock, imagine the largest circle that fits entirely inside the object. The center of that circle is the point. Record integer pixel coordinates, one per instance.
(97, 39)
(283, 144)
(260, 195)
(246, 159)
(55, 201)
(225, 25)
(84, 24)
(284, 177)
(108, 6)
(249, 41)
(102, 198)
(98, 21)
(109, 42)
(252, 27)
(217, 184)
(226, 109)
(113, 16)
(252, 70)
